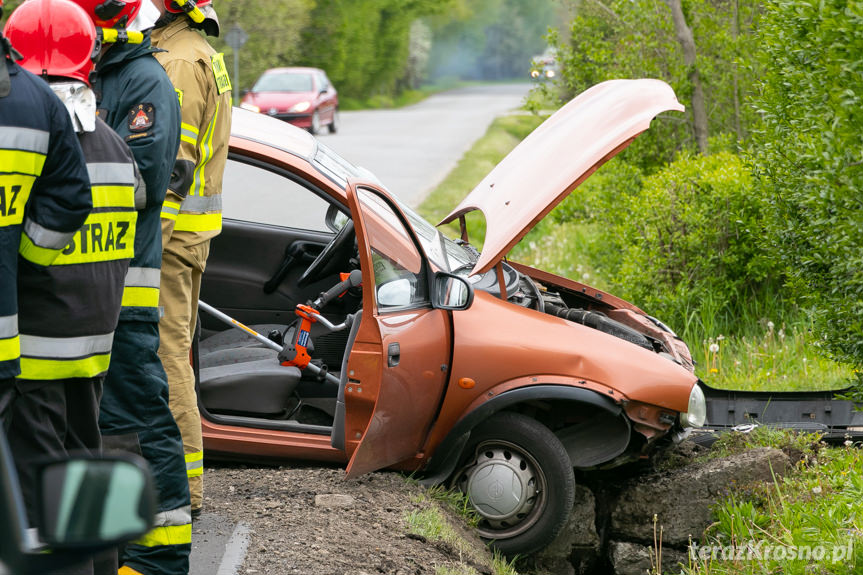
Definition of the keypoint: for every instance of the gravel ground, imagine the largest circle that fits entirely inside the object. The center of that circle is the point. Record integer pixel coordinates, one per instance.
(310, 520)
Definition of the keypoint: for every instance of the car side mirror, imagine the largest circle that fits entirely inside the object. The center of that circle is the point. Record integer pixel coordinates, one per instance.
(243, 92)
(335, 218)
(452, 292)
(95, 503)
(396, 293)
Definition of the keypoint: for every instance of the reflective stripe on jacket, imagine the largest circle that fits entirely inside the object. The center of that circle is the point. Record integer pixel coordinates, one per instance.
(44, 192)
(128, 78)
(69, 309)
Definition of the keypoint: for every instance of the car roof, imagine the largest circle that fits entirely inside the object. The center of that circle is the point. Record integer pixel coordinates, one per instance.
(304, 69)
(272, 132)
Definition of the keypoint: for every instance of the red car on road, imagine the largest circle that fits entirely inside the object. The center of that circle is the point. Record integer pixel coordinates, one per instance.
(305, 97)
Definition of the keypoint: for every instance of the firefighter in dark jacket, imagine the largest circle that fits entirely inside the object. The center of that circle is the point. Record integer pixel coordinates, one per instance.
(68, 310)
(136, 98)
(44, 195)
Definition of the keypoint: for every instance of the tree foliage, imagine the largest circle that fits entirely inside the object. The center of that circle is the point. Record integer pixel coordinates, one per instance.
(636, 39)
(274, 34)
(808, 154)
(375, 48)
(364, 44)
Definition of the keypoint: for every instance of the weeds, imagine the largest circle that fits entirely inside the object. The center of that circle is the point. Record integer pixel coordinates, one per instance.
(807, 522)
(433, 524)
(656, 556)
(769, 359)
(456, 501)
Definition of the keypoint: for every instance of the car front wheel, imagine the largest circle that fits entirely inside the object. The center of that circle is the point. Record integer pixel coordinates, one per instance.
(334, 125)
(519, 479)
(315, 127)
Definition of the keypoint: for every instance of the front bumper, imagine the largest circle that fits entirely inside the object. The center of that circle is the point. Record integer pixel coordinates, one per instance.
(810, 411)
(298, 120)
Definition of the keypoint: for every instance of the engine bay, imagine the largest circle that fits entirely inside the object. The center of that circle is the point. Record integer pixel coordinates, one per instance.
(590, 311)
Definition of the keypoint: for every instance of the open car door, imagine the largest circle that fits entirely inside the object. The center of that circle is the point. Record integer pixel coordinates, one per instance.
(398, 367)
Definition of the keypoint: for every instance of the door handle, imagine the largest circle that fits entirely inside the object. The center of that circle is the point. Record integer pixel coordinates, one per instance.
(393, 354)
(299, 250)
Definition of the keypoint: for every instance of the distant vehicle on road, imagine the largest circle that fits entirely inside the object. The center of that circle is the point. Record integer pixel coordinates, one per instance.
(305, 97)
(545, 66)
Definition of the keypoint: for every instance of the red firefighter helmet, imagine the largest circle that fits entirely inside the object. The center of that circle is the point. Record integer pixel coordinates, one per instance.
(56, 38)
(111, 13)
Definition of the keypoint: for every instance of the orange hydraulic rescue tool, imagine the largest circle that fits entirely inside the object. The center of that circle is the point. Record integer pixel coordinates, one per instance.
(296, 352)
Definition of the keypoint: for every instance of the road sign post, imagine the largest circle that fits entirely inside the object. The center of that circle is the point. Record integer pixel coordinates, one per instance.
(235, 38)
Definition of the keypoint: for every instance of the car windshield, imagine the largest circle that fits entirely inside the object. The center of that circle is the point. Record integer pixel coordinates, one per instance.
(442, 251)
(284, 82)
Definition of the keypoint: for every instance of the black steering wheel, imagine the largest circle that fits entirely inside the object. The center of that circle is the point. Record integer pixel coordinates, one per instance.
(329, 256)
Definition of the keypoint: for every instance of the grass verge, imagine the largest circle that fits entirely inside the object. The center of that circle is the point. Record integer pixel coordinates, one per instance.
(435, 523)
(776, 359)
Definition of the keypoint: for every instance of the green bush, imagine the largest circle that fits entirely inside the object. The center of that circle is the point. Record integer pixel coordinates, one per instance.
(807, 156)
(598, 197)
(687, 244)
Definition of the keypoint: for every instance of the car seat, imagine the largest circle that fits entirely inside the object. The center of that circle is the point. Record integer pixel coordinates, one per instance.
(238, 374)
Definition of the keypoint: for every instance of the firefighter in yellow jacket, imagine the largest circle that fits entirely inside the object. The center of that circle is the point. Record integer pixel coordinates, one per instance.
(192, 212)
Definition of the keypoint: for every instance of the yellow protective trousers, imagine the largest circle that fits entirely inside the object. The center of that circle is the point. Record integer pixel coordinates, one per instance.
(183, 261)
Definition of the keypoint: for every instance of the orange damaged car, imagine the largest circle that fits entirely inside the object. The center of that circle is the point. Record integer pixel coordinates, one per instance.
(413, 351)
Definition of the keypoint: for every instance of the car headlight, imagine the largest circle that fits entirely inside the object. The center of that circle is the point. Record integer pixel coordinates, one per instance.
(250, 107)
(301, 107)
(549, 73)
(696, 413)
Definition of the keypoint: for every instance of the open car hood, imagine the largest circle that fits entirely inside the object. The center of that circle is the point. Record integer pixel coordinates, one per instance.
(547, 165)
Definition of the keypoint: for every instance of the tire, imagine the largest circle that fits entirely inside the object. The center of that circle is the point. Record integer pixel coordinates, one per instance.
(334, 125)
(315, 128)
(513, 450)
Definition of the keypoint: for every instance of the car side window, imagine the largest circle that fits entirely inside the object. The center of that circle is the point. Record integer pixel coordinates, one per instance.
(254, 194)
(400, 279)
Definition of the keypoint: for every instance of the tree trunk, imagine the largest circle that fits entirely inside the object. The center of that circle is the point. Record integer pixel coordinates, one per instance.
(735, 31)
(687, 44)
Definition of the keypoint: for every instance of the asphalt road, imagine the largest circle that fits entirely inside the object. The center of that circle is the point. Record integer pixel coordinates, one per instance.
(412, 149)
